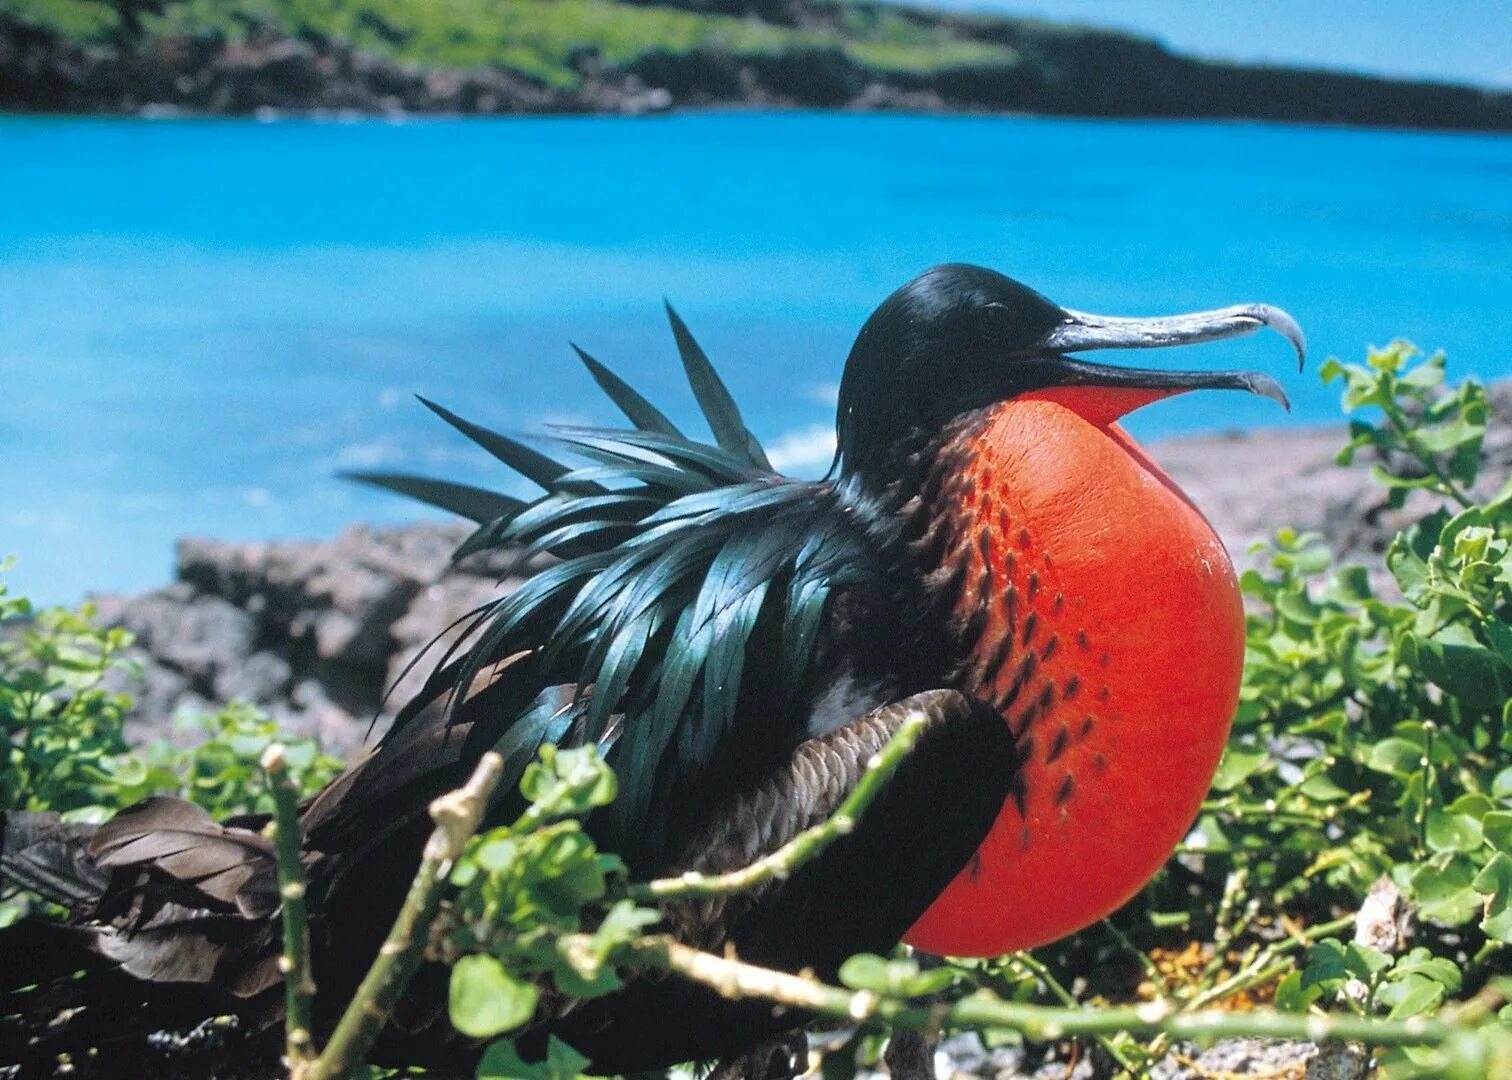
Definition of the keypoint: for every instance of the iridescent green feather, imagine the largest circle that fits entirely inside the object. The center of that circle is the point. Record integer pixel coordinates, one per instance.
(673, 554)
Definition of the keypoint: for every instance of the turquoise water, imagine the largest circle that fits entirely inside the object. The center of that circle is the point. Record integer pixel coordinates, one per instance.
(201, 321)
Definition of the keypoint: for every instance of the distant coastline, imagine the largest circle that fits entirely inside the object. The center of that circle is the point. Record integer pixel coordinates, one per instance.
(157, 57)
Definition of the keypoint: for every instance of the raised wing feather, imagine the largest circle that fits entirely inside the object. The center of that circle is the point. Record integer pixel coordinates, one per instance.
(675, 556)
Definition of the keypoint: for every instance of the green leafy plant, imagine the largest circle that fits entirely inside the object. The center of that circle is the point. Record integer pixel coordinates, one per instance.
(518, 915)
(219, 770)
(1374, 733)
(66, 748)
(63, 727)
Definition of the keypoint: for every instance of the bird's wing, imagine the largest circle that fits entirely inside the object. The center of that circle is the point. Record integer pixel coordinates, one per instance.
(860, 895)
(162, 889)
(680, 566)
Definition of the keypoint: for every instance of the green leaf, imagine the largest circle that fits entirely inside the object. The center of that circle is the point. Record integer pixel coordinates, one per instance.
(568, 782)
(497, 851)
(1364, 962)
(1442, 887)
(1237, 766)
(1395, 756)
(1320, 786)
(1327, 967)
(623, 923)
(1425, 376)
(1495, 882)
(1297, 607)
(1410, 995)
(1453, 832)
(1332, 962)
(1465, 668)
(1474, 804)
(898, 977)
(1497, 827)
(501, 1061)
(486, 1000)
(1422, 962)
(1499, 634)
(1407, 556)
(1292, 995)
(865, 971)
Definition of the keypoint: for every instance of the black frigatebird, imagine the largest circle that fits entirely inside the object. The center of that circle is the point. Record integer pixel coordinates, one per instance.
(990, 547)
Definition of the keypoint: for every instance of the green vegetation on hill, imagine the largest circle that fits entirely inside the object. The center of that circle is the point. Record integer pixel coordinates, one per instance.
(491, 56)
(543, 39)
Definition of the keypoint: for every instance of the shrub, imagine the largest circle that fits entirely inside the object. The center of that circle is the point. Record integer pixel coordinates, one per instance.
(66, 748)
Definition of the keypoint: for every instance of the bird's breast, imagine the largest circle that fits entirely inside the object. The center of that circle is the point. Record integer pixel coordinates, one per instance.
(1100, 613)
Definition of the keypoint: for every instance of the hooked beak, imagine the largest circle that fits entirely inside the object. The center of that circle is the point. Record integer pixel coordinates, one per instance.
(1080, 331)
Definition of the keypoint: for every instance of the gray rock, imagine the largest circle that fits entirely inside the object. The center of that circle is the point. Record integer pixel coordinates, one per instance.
(316, 632)
(1385, 919)
(262, 679)
(1270, 1058)
(191, 633)
(1340, 1061)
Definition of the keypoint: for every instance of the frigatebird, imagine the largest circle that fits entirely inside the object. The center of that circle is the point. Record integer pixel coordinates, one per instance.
(989, 547)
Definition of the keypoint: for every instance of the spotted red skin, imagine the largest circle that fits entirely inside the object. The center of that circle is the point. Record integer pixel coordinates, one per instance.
(1128, 602)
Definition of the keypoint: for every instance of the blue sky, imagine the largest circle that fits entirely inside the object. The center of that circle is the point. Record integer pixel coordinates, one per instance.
(1457, 40)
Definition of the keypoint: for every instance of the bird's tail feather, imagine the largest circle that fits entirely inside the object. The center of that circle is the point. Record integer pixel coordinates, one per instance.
(172, 920)
(44, 854)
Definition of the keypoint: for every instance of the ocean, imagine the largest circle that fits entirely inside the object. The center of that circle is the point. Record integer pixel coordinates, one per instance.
(203, 321)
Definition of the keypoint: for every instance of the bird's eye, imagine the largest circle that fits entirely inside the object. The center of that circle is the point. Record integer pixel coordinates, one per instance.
(996, 318)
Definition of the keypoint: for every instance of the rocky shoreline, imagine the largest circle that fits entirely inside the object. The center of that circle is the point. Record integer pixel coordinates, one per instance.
(1056, 70)
(322, 633)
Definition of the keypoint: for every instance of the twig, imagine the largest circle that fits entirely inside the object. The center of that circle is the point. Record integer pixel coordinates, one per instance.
(1153, 973)
(1429, 727)
(1483, 954)
(1427, 459)
(457, 815)
(1263, 968)
(1039, 971)
(299, 983)
(806, 845)
(734, 979)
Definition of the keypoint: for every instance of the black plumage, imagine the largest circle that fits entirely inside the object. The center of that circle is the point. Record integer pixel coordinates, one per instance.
(736, 642)
(723, 633)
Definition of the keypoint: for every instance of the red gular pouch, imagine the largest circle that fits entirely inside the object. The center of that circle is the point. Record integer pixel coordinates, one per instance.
(1123, 676)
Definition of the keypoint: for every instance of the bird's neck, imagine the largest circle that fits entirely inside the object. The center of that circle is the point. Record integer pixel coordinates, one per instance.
(1076, 589)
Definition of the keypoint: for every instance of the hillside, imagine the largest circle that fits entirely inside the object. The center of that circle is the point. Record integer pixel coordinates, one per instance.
(514, 56)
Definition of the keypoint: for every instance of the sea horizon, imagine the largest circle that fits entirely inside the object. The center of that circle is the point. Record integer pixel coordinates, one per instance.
(202, 320)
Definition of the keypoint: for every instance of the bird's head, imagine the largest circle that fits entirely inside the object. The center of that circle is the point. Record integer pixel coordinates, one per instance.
(1074, 575)
(958, 338)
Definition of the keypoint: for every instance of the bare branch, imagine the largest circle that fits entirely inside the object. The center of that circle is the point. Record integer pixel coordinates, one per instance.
(734, 979)
(299, 983)
(457, 815)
